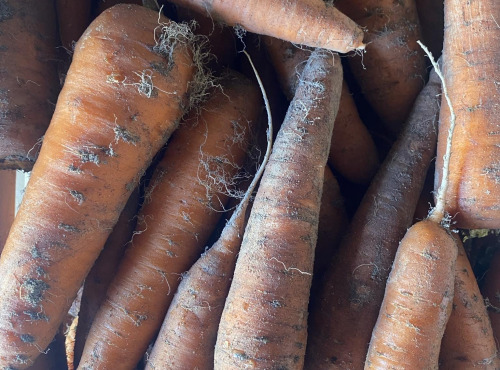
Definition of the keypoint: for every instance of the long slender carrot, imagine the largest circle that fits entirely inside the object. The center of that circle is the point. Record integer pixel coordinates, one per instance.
(187, 192)
(123, 96)
(28, 78)
(189, 330)
(264, 322)
(309, 22)
(102, 273)
(7, 203)
(417, 301)
(392, 71)
(471, 70)
(342, 322)
(468, 339)
(353, 152)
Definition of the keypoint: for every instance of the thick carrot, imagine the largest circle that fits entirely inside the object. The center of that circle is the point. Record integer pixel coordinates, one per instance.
(347, 308)
(7, 203)
(28, 78)
(189, 330)
(392, 71)
(471, 70)
(102, 273)
(468, 339)
(491, 292)
(264, 322)
(308, 22)
(417, 301)
(123, 96)
(353, 152)
(186, 194)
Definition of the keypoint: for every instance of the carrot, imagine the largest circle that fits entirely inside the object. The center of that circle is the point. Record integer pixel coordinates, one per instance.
(468, 339)
(189, 330)
(353, 289)
(101, 5)
(309, 22)
(53, 357)
(73, 19)
(417, 301)
(491, 293)
(7, 203)
(124, 94)
(187, 192)
(353, 152)
(28, 79)
(392, 71)
(264, 322)
(471, 70)
(103, 271)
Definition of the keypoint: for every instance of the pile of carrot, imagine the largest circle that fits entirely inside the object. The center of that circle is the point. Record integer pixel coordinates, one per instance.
(231, 185)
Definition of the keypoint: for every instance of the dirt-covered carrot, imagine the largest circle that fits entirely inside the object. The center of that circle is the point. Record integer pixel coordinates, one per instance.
(189, 331)
(417, 301)
(468, 339)
(392, 71)
(124, 94)
(353, 152)
(491, 293)
(7, 203)
(347, 308)
(28, 78)
(471, 71)
(103, 271)
(73, 16)
(186, 194)
(264, 322)
(309, 22)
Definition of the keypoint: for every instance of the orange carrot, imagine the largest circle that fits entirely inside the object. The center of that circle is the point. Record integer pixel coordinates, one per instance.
(468, 339)
(392, 71)
(7, 203)
(353, 152)
(353, 289)
(264, 322)
(124, 94)
(417, 301)
(186, 194)
(309, 22)
(189, 331)
(28, 78)
(471, 70)
(103, 271)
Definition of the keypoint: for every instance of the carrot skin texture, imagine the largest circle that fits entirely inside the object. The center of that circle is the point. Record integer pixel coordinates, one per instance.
(471, 71)
(491, 292)
(347, 307)
(28, 79)
(326, 27)
(264, 322)
(392, 71)
(353, 152)
(175, 224)
(102, 136)
(468, 338)
(417, 301)
(103, 271)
